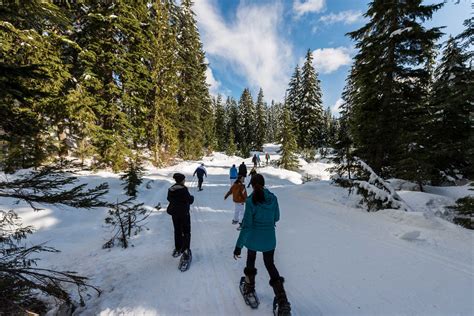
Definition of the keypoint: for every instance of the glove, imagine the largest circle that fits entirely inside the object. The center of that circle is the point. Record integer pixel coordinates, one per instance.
(237, 251)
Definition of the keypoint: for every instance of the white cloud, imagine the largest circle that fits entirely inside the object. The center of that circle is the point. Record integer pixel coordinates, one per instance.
(347, 17)
(250, 45)
(211, 80)
(336, 108)
(308, 6)
(328, 60)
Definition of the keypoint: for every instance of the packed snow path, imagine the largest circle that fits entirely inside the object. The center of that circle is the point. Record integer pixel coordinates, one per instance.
(336, 259)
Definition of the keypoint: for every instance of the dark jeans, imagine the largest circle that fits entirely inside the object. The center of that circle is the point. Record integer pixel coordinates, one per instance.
(182, 232)
(267, 260)
(200, 181)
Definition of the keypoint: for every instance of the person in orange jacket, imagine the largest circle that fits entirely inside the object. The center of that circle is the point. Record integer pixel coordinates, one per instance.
(239, 195)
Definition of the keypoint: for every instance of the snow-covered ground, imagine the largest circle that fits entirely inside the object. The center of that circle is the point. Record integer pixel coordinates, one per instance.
(336, 258)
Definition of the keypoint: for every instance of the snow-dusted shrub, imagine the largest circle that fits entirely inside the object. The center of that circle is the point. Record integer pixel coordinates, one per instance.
(21, 280)
(133, 177)
(463, 212)
(376, 193)
(125, 219)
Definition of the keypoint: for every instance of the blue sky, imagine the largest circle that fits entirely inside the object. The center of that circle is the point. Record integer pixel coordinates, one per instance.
(258, 43)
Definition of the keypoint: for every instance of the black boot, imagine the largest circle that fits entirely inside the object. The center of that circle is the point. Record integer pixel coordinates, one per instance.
(250, 274)
(281, 306)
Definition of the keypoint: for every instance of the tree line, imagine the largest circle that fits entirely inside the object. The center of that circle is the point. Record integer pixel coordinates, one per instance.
(101, 80)
(405, 114)
(111, 81)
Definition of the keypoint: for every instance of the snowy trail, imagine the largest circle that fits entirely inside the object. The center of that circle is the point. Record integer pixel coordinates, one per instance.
(337, 259)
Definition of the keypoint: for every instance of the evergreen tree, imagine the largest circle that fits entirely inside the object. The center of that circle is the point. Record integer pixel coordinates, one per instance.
(232, 120)
(260, 121)
(32, 76)
(294, 97)
(247, 130)
(162, 128)
(467, 36)
(194, 104)
(288, 143)
(451, 104)
(390, 79)
(110, 71)
(133, 177)
(274, 113)
(220, 124)
(310, 113)
(231, 148)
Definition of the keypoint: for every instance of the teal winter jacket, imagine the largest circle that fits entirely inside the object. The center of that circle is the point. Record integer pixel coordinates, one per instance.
(258, 225)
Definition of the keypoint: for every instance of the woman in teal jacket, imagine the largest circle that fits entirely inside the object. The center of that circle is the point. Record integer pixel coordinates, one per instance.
(258, 234)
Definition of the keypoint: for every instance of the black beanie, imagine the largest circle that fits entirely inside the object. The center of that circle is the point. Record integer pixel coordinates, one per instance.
(178, 177)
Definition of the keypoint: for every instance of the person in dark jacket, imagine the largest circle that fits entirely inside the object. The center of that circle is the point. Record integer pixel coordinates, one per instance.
(200, 172)
(251, 174)
(180, 200)
(243, 171)
(258, 234)
(255, 160)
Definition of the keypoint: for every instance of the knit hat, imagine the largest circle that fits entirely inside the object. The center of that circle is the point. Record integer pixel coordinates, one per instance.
(178, 177)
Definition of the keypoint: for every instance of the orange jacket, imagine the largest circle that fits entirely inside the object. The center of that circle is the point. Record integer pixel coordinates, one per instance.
(238, 191)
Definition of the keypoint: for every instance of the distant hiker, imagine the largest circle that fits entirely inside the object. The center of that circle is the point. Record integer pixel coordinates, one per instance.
(267, 158)
(243, 171)
(200, 172)
(233, 174)
(251, 174)
(258, 234)
(180, 200)
(239, 195)
(258, 159)
(254, 160)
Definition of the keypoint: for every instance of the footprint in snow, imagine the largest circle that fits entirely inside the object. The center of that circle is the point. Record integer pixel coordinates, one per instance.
(410, 236)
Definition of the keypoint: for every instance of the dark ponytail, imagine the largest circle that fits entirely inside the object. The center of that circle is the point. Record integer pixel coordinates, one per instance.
(257, 182)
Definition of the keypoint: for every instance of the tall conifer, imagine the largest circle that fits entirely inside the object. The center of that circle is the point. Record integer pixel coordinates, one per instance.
(310, 114)
(260, 121)
(390, 77)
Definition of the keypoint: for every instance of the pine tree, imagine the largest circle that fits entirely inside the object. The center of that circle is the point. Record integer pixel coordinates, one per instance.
(194, 102)
(390, 79)
(232, 120)
(247, 126)
(32, 76)
(288, 159)
(274, 113)
(162, 128)
(310, 114)
(220, 124)
(133, 177)
(260, 121)
(294, 97)
(110, 69)
(451, 103)
(231, 148)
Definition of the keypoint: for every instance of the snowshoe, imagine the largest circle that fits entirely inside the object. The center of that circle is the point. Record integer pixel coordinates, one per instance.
(250, 298)
(176, 253)
(283, 310)
(185, 261)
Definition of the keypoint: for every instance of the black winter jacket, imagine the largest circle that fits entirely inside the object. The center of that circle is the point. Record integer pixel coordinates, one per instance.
(243, 170)
(180, 199)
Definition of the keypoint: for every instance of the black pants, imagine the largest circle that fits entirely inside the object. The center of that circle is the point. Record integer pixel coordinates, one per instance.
(182, 232)
(200, 181)
(267, 260)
